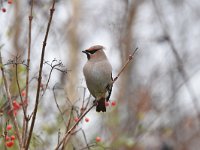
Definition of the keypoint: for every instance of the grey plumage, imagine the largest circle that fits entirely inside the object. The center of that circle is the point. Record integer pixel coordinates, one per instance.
(98, 75)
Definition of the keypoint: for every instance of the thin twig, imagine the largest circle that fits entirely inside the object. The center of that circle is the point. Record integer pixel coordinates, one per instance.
(19, 90)
(54, 95)
(10, 102)
(70, 117)
(88, 146)
(25, 121)
(59, 135)
(53, 67)
(125, 65)
(84, 136)
(40, 76)
(73, 127)
(68, 125)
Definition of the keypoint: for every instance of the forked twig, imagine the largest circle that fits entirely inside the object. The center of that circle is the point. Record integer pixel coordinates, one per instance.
(73, 127)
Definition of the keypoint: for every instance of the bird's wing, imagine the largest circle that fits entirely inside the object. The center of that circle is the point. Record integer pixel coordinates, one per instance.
(109, 89)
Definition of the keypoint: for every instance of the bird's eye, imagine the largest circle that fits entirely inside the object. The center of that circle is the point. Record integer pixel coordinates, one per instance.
(91, 52)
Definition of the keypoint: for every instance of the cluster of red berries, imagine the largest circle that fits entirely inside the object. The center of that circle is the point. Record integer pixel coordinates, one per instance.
(3, 9)
(113, 103)
(9, 139)
(17, 105)
(76, 119)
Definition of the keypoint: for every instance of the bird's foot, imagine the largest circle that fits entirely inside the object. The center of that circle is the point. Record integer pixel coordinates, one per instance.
(95, 102)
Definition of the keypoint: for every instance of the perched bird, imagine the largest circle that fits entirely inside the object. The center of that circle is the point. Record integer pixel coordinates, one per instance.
(98, 75)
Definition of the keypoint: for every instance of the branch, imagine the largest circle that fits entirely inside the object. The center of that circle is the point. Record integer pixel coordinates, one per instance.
(125, 65)
(25, 122)
(54, 95)
(73, 127)
(84, 136)
(10, 101)
(53, 66)
(40, 75)
(19, 90)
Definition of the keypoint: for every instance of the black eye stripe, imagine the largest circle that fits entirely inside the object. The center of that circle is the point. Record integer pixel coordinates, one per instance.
(91, 52)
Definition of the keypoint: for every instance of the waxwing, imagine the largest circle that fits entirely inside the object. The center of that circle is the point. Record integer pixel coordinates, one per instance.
(98, 75)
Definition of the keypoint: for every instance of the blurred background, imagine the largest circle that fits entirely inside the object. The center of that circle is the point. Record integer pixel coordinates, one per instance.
(157, 96)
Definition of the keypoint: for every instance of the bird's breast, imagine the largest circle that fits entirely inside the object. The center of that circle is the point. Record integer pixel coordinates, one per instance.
(98, 76)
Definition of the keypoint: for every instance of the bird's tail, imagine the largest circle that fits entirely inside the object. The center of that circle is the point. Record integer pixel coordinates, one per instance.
(101, 105)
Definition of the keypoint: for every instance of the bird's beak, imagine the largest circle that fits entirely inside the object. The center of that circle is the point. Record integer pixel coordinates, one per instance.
(84, 52)
(88, 55)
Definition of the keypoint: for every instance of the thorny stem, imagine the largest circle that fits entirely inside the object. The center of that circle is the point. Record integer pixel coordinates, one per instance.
(10, 102)
(40, 76)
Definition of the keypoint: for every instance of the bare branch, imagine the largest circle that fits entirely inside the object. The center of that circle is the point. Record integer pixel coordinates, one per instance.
(25, 122)
(54, 95)
(40, 75)
(10, 102)
(19, 90)
(53, 66)
(125, 65)
(74, 126)
(88, 146)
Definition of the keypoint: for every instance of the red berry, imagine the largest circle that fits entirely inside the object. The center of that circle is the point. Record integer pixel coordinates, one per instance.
(76, 119)
(23, 93)
(113, 103)
(3, 10)
(107, 104)
(12, 137)
(15, 112)
(87, 119)
(7, 138)
(98, 139)
(9, 127)
(16, 105)
(9, 143)
(10, 1)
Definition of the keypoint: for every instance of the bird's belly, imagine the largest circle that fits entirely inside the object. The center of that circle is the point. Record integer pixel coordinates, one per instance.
(98, 80)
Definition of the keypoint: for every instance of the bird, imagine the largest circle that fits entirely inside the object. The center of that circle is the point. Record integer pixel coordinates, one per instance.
(98, 76)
